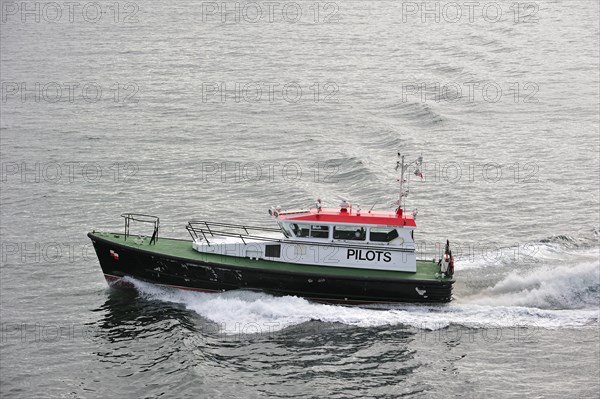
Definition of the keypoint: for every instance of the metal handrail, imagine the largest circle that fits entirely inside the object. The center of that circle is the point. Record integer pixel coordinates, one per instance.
(143, 218)
(196, 227)
(238, 226)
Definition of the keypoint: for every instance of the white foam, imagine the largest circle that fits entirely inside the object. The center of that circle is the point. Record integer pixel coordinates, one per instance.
(243, 311)
(563, 287)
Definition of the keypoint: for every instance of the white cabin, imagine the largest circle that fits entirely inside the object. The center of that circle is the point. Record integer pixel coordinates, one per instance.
(326, 237)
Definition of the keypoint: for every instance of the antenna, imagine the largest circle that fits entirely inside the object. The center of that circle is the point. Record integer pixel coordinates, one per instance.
(372, 207)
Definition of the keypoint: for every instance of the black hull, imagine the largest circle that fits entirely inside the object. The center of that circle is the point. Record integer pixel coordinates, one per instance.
(211, 277)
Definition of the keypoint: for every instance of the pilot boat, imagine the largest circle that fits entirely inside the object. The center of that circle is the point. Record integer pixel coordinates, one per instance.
(335, 255)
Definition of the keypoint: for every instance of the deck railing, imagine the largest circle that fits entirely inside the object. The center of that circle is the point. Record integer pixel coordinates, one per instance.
(139, 217)
(202, 229)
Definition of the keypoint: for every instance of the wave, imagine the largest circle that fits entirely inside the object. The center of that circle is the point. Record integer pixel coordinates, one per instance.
(419, 112)
(574, 286)
(586, 240)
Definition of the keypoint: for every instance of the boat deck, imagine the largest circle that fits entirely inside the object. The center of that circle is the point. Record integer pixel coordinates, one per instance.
(182, 249)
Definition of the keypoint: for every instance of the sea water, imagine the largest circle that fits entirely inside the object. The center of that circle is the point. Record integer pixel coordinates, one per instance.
(218, 111)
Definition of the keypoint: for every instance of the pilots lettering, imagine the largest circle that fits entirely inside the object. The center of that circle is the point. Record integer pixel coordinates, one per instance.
(359, 254)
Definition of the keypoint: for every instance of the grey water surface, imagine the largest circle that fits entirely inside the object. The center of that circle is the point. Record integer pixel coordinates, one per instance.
(219, 110)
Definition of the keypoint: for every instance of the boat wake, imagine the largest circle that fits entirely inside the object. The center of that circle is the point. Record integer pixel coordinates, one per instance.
(509, 304)
(562, 273)
(560, 288)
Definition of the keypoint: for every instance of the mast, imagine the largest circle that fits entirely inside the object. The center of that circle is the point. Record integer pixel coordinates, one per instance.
(403, 167)
(401, 194)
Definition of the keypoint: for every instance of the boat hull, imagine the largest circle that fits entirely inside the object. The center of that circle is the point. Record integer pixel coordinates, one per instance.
(120, 259)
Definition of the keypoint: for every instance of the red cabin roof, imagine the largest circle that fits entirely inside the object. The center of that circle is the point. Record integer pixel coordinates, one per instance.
(343, 216)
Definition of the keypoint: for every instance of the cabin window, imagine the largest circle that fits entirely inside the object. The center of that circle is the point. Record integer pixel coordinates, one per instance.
(273, 251)
(383, 234)
(319, 231)
(349, 233)
(301, 230)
